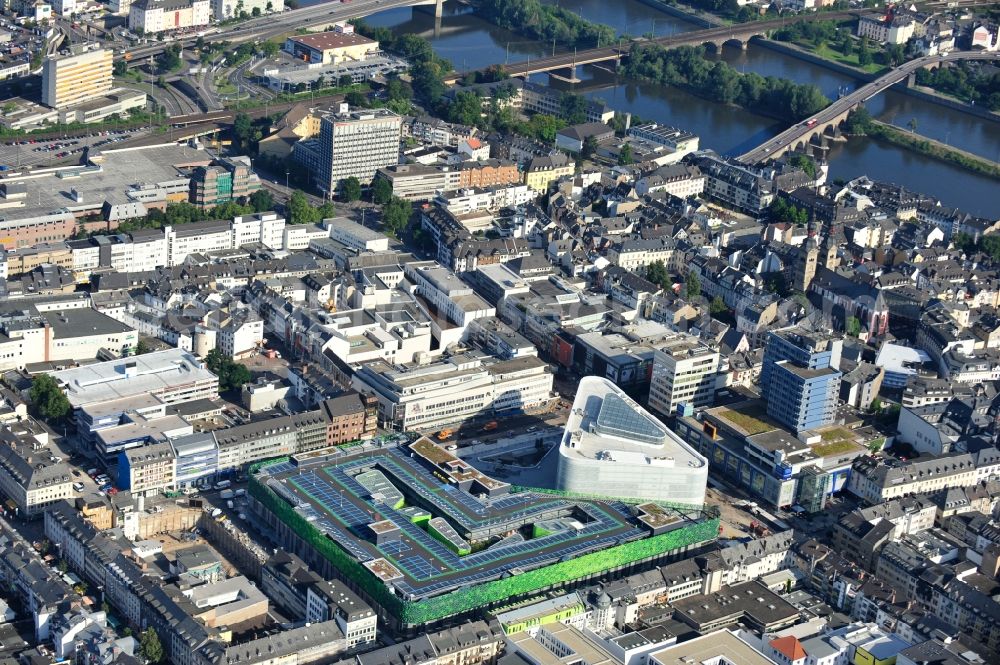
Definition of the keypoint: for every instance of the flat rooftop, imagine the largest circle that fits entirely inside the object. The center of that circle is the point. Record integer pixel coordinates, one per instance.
(323, 41)
(131, 377)
(606, 424)
(83, 322)
(340, 494)
(709, 648)
(118, 172)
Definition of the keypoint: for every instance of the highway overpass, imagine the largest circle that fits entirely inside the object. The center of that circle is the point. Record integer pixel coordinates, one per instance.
(832, 118)
(273, 25)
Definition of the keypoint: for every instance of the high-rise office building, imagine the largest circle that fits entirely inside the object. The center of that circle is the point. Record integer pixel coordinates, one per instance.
(684, 375)
(84, 74)
(800, 377)
(355, 143)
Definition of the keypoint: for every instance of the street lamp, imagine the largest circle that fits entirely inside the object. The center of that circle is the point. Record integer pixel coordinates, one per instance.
(286, 181)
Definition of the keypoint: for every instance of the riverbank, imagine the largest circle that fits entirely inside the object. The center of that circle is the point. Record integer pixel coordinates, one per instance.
(931, 148)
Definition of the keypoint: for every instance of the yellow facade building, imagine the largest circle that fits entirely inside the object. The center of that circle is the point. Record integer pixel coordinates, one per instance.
(78, 77)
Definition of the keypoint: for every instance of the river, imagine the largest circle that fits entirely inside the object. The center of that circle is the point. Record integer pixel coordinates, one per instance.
(470, 42)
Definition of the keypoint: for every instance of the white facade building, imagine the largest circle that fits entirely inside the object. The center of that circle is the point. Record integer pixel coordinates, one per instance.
(613, 447)
(684, 373)
(428, 395)
(152, 16)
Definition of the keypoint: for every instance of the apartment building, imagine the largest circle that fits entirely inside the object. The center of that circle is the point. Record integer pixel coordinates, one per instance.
(32, 473)
(148, 470)
(877, 480)
(350, 417)
(684, 375)
(78, 77)
(152, 16)
(545, 170)
(332, 600)
(636, 254)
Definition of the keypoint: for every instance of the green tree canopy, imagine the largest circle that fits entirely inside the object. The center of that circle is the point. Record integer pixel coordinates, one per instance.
(396, 215)
(351, 189)
(381, 191)
(300, 211)
(625, 156)
(693, 285)
(657, 273)
(47, 399)
(150, 647)
(261, 201)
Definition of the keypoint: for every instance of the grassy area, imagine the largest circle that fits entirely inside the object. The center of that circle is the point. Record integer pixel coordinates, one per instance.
(824, 51)
(224, 87)
(934, 149)
(833, 448)
(835, 441)
(752, 419)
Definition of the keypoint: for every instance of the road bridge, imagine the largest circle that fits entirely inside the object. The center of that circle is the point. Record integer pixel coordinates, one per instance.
(831, 119)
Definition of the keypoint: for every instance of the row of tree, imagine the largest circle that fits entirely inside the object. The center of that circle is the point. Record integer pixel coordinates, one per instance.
(546, 22)
(819, 34)
(427, 69)
(686, 67)
(185, 213)
(972, 82)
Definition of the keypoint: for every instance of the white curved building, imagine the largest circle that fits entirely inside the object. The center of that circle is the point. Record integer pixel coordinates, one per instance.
(613, 447)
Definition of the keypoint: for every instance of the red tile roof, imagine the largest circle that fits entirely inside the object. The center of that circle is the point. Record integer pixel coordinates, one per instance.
(789, 647)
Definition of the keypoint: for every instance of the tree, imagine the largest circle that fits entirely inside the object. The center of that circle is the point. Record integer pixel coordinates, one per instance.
(573, 108)
(894, 54)
(242, 129)
(356, 99)
(656, 273)
(345, 81)
(150, 647)
(864, 53)
(717, 306)
(396, 90)
(255, 12)
(804, 162)
(625, 155)
(396, 215)
(427, 81)
(48, 399)
(142, 348)
(858, 121)
(299, 209)
(589, 147)
(351, 189)
(693, 285)
(466, 109)
(381, 191)
(990, 244)
(120, 68)
(262, 201)
(853, 326)
(231, 374)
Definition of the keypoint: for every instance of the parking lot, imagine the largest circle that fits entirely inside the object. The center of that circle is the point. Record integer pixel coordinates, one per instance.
(34, 152)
